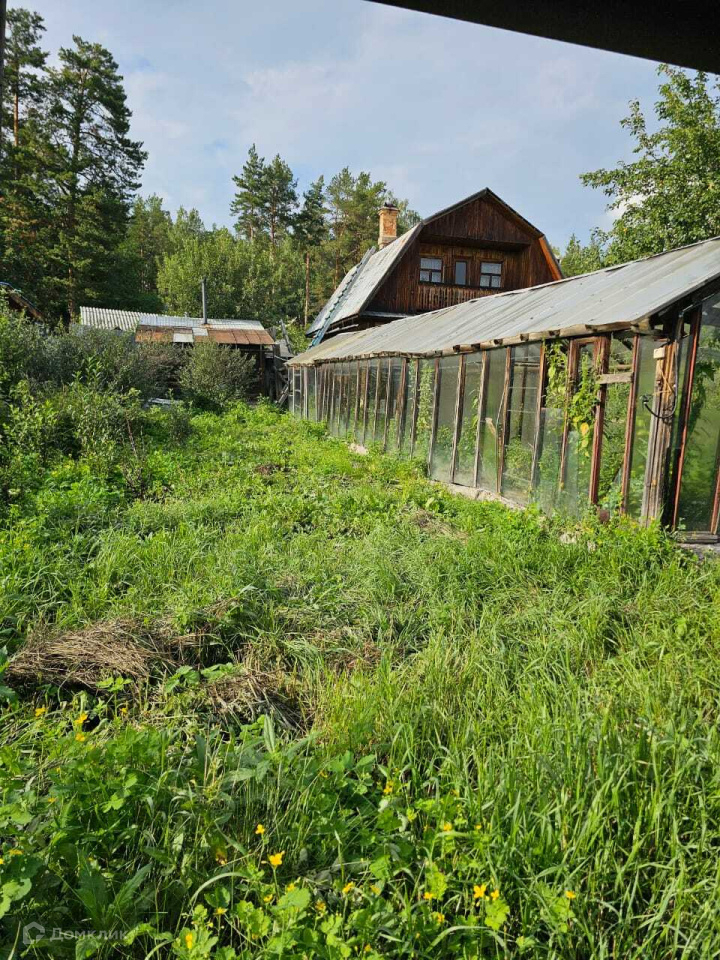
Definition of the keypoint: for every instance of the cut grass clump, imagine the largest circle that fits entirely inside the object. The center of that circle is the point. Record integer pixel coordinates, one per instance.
(374, 719)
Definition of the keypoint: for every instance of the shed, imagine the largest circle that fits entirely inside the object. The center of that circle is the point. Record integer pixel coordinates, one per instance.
(596, 391)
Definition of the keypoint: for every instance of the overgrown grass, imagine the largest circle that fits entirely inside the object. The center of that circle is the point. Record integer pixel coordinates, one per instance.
(470, 732)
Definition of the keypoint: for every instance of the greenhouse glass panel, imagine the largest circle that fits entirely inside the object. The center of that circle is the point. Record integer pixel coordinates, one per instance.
(521, 421)
(312, 395)
(616, 400)
(546, 492)
(702, 446)
(382, 387)
(490, 426)
(426, 390)
(644, 399)
(465, 466)
(359, 426)
(408, 407)
(371, 395)
(352, 397)
(394, 396)
(297, 392)
(441, 454)
(575, 491)
(337, 398)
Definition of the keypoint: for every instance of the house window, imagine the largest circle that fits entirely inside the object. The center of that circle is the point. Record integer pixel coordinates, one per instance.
(430, 270)
(461, 273)
(491, 274)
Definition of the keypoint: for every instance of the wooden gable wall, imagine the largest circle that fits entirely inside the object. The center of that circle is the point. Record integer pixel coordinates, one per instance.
(476, 231)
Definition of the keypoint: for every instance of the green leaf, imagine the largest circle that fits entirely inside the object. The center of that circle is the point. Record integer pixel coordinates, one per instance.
(297, 899)
(496, 913)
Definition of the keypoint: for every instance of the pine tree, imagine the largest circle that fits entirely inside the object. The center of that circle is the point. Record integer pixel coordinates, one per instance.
(249, 201)
(23, 216)
(93, 167)
(353, 203)
(311, 230)
(23, 79)
(279, 199)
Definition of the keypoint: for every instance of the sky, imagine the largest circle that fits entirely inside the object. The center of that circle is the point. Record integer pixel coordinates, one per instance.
(437, 108)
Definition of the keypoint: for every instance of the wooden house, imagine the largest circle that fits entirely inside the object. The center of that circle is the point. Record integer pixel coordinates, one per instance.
(476, 248)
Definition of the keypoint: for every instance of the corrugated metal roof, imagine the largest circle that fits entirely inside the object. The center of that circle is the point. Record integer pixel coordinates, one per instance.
(361, 282)
(620, 295)
(109, 319)
(151, 326)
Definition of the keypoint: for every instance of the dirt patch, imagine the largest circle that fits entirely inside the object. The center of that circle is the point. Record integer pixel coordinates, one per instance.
(432, 524)
(268, 469)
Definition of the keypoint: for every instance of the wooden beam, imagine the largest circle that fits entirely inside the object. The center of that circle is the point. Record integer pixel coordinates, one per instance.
(630, 425)
(685, 410)
(413, 423)
(387, 402)
(400, 418)
(602, 354)
(660, 434)
(542, 377)
(504, 418)
(606, 378)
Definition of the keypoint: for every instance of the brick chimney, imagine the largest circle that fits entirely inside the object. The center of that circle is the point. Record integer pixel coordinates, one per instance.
(388, 224)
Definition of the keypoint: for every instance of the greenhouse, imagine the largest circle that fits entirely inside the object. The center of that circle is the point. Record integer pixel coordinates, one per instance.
(601, 390)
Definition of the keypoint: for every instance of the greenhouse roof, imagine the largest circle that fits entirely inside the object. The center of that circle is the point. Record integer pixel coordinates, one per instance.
(613, 298)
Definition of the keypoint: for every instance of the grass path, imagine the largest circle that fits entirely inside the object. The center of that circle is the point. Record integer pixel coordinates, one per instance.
(466, 736)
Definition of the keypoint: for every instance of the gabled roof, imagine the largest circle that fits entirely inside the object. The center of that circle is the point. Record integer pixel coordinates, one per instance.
(362, 281)
(610, 299)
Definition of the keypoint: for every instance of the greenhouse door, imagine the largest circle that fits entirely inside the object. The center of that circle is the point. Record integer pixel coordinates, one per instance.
(697, 475)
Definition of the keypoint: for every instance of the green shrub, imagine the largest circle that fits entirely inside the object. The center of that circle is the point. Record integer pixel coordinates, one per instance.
(216, 375)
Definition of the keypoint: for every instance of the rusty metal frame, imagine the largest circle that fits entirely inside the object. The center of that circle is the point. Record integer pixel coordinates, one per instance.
(459, 396)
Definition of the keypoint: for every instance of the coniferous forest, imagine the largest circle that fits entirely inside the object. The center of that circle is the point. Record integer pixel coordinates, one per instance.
(76, 230)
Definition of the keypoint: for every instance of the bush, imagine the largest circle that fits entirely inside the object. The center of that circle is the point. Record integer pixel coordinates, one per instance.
(110, 360)
(215, 375)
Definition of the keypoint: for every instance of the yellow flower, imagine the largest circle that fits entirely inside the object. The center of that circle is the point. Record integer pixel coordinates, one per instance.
(367, 948)
(374, 889)
(276, 859)
(40, 711)
(220, 858)
(220, 911)
(347, 888)
(52, 799)
(439, 918)
(259, 829)
(389, 787)
(2, 861)
(81, 719)
(290, 887)
(15, 852)
(570, 894)
(479, 891)
(447, 827)
(80, 737)
(495, 894)
(478, 826)
(320, 907)
(324, 774)
(123, 711)
(428, 895)
(267, 898)
(189, 940)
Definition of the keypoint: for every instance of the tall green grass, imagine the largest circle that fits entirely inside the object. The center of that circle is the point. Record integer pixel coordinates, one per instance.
(474, 698)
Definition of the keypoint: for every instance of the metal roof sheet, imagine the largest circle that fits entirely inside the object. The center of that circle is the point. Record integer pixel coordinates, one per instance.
(129, 320)
(615, 296)
(361, 282)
